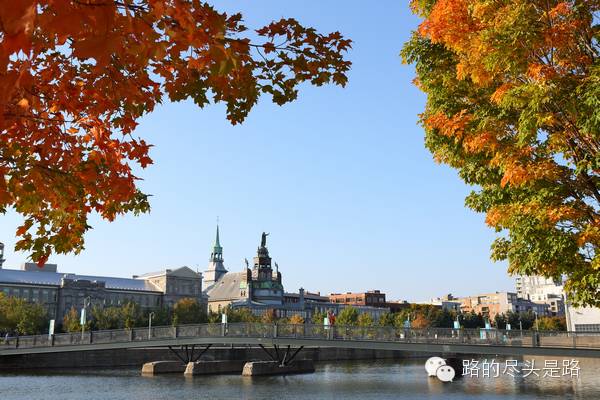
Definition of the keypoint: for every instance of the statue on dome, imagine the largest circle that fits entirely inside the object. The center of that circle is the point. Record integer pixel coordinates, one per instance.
(263, 240)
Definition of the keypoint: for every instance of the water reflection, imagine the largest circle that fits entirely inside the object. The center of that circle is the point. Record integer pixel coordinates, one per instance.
(348, 380)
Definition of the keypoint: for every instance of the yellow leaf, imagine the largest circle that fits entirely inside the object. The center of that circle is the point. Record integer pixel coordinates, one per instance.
(23, 103)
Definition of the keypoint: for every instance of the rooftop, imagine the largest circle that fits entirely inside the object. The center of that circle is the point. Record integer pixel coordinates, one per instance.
(50, 278)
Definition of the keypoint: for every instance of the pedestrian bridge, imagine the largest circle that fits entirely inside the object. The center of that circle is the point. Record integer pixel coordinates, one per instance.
(431, 340)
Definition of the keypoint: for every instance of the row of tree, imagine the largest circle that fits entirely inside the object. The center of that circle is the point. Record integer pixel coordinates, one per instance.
(419, 316)
(20, 317)
(17, 316)
(185, 311)
(427, 316)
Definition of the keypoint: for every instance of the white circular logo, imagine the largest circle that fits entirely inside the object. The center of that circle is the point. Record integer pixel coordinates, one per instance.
(432, 364)
(445, 373)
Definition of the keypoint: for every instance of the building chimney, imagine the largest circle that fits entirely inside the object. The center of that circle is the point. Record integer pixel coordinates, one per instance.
(301, 297)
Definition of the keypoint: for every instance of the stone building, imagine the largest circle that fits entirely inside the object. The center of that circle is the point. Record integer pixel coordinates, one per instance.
(176, 284)
(260, 289)
(259, 286)
(59, 292)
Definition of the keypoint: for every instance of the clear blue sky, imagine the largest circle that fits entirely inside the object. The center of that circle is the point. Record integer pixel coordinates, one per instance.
(340, 178)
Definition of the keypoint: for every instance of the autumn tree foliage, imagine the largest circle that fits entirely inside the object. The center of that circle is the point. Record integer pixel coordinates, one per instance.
(513, 103)
(296, 319)
(77, 75)
(188, 311)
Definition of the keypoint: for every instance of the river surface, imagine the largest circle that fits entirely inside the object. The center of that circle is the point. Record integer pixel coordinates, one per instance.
(404, 379)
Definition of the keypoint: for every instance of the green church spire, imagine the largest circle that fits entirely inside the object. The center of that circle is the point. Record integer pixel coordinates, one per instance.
(217, 253)
(217, 242)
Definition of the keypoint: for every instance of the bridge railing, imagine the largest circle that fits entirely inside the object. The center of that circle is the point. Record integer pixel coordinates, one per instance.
(306, 331)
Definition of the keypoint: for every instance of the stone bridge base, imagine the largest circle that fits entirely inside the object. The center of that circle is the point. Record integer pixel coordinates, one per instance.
(258, 368)
(163, 367)
(214, 367)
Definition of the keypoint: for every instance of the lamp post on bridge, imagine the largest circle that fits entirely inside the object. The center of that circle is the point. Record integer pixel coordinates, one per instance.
(82, 321)
(150, 324)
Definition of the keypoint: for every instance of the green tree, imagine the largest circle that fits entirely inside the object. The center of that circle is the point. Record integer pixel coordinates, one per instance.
(214, 317)
(400, 318)
(513, 103)
(71, 321)
(318, 317)
(3, 318)
(552, 324)
(471, 320)
(241, 314)
(386, 319)
(348, 316)
(526, 320)
(131, 315)
(107, 318)
(500, 321)
(440, 318)
(162, 316)
(365, 320)
(268, 317)
(188, 311)
(19, 316)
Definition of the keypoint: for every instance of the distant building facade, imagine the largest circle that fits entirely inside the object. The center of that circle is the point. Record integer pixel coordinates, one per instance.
(1, 254)
(583, 319)
(59, 292)
(258, 286)
(372, 298)
(446, 302)
(491, 304)
(260, 289)
(542, 290)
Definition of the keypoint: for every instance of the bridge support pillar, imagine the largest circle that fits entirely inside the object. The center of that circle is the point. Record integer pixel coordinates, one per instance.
(282, 359)
(214, 367)
(163, 367)
(186, 353)
(258, 368)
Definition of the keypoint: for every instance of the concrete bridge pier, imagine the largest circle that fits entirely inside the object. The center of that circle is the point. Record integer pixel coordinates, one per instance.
(282, 363)
(258, 368)
(186, 355)
(214, 367)
(163, 367)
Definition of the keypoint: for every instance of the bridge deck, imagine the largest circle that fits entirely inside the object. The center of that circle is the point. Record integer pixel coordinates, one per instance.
(465, 341)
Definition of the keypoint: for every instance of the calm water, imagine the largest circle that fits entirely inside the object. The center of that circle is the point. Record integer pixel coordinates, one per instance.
(339, 381)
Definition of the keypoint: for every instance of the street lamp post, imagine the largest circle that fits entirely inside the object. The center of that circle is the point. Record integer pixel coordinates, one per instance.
(150, 324)
(83, 320)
